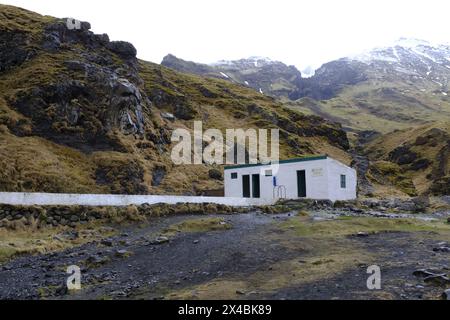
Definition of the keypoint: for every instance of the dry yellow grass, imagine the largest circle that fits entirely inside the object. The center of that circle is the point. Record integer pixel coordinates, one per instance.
(40, 241)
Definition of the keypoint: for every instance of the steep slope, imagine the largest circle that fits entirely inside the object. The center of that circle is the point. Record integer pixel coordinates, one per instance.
(385, 89)
(268, 77)
(414, 160)
(79, 113)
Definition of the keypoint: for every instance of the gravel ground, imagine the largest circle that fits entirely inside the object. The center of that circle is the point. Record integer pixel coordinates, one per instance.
(139, 264)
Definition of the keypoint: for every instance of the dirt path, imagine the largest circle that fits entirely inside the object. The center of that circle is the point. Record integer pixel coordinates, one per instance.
(247, 256)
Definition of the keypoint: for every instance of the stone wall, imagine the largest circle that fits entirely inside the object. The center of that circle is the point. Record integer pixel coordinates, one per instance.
(12, 217)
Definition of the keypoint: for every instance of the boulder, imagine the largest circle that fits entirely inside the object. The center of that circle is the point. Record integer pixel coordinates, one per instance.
(124, 49)
(184, 111)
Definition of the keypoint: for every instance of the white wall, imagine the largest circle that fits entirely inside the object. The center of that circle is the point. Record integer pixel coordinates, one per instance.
(23, 198)
(316, 185)
(335, 170)
(322, 180)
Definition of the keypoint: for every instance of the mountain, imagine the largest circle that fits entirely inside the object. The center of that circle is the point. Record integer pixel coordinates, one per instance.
(415, 160)
(264, 75)
(80, 113)
(384, 89)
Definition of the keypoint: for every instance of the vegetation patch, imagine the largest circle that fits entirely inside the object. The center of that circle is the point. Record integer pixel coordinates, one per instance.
(42, 241)
(307, 227)
(280, 275)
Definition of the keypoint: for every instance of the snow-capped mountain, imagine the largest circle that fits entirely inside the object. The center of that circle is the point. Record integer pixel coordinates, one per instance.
(420, 64)
(424, 65)
(384, 88)
(413, 58)
(254, 61)
(262, 74)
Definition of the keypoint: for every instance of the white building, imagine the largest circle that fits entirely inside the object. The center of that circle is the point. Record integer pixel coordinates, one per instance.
(319, 177)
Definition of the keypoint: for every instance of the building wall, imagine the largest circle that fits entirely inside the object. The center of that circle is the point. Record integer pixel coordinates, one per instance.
(29, 199)
(335, 170)
(322, 180)
(316, 179)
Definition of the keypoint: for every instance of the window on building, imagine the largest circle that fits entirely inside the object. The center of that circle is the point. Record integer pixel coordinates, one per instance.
(234, 175)
(343, 181)
(268, 173)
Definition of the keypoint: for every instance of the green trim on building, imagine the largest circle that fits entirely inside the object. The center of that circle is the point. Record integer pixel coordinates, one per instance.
(280, 162)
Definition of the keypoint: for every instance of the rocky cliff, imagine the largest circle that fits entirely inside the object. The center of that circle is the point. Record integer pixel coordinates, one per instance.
(80, 113)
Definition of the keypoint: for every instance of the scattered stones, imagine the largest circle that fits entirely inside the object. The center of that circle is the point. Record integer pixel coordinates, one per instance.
(159, 240)
(441, 249)
(62, 290)
(240, 292)
(196, 241)
(122, 253)
(96, 260)
(362, 234)
(437, 280)
(69, 235)
(107, 242)
(423, 273)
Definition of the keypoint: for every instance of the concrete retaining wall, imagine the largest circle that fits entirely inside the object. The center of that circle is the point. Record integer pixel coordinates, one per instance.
(60, 199)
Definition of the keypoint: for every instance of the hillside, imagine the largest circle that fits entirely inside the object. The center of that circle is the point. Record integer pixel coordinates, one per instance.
(413, 159)
(385, 89)
(80, 113)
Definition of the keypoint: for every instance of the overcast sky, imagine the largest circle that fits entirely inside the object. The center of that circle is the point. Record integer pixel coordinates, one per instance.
(298, 32)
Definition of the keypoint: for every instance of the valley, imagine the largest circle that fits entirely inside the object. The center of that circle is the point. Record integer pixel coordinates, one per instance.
(83, 114)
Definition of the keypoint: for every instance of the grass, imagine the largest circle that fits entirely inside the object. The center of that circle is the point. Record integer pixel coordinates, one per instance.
(365, 107)
(428, 142)
(33, 163)
(325, 263)
(14, 18)
(306, 227)
(41, 241)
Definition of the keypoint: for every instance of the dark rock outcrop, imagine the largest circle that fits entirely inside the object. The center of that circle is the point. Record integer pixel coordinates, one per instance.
(329, 80)
(124, 49)
(13, 49)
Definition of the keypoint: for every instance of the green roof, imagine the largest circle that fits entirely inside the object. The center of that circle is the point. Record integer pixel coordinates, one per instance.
(295, 160)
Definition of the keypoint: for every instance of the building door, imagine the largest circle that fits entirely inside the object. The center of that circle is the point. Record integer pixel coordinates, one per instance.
(256, 184)
(301, 183)
(246, 186)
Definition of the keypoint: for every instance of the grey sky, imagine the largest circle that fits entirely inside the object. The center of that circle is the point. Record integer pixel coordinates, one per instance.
(296, 32)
